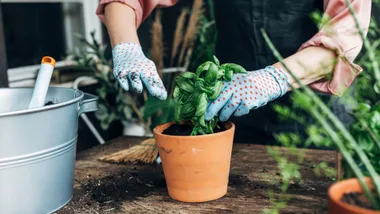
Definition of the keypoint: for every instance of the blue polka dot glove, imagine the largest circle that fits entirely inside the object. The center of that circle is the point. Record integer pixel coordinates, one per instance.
(132, 68)
(248, 91)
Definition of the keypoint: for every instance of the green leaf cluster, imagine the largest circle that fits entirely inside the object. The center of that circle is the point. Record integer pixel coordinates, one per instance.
(195, 91)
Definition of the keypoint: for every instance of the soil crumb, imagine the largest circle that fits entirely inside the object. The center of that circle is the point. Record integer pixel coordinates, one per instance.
(185, 130)
(127, 186)
(107, 194)
(357, 199)
(49, 103)
(243, 181)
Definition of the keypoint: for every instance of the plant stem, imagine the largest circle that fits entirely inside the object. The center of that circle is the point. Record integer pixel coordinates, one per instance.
(138, 113)
(212, 10)
(375, 177)
(319, 117)
(368, 129)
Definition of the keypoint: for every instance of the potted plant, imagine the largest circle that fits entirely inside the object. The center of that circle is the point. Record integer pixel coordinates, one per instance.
(195, 153)
(359, 190)
(359, 145)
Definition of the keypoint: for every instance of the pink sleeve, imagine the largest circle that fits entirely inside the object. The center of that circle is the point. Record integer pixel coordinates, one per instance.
(340, 34)
(142, 8)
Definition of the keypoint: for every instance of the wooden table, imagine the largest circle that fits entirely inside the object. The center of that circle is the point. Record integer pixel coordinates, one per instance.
(125, 188)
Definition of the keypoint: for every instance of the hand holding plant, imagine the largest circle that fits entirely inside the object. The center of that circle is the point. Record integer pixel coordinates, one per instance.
(195, 91)
(248, 91)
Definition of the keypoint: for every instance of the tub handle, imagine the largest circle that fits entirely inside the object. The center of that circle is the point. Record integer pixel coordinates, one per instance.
(89, 103)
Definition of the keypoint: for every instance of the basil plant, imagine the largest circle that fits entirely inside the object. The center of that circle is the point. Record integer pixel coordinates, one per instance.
(194, 91)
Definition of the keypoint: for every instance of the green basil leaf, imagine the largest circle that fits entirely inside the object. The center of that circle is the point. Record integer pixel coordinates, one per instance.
(374, 120)
(365, 142)
(228, 75)
(202, 120)
(235, 67)
(185, 96)
(221, 72)
(177, 114)
(188, 75)
(200, 130)
(216, 61)
(176, 92)
(210, 128)
(212, 74)
(187, 110)
(199, 84)
(217, 89)
(376, 87)
(201, 105)
(195, 131)
(185, 84)
(362, 108)
(203, 67)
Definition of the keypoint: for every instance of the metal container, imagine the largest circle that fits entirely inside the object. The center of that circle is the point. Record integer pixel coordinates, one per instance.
(38, 149)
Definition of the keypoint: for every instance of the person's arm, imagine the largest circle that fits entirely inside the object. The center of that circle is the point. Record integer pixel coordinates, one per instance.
(123, 17)
(120, 21)
(309, 65)
(130, 65)
(332, 50)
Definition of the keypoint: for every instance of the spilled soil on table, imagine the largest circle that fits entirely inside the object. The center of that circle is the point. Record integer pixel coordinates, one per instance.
(242, 181)
(124, 187)
(108, 193)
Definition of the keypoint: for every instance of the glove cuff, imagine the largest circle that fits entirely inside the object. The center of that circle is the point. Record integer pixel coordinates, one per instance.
(281, 78)
(126, 47)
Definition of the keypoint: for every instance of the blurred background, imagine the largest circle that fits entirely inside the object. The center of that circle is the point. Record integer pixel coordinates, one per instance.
(177, 39)
(70, 31)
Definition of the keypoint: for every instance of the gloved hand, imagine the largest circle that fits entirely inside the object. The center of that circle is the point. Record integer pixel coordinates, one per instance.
(132, 68)
(248, 91)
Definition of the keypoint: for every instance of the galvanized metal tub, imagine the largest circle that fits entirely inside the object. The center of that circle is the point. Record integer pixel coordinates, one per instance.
(38, 149)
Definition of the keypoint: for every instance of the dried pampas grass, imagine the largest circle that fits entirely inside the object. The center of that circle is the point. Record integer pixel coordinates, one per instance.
(157, 50)
(178, 35)
(192, 29)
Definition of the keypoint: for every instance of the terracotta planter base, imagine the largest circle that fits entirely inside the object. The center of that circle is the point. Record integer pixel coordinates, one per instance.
(196, 168)
(198, 196)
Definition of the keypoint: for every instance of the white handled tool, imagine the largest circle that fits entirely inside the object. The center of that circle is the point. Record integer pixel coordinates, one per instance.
(42, 82)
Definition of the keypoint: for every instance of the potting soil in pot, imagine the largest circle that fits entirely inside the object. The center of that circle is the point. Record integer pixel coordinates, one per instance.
(357, 199)
(185, 130)
(49, 103)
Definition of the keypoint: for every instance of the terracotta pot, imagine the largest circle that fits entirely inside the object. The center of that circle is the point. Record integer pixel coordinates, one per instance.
(196, 168)
(336, 192)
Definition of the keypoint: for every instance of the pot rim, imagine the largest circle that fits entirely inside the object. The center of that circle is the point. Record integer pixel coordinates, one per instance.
(230, 129)
(44, 108)
(348, 183)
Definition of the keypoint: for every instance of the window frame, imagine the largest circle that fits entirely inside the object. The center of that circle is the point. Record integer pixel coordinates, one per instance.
(24, 76)
(3, 55)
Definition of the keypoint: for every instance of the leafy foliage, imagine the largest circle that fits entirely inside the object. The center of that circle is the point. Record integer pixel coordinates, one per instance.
(360, 143)
(114, 103)
(194, 91)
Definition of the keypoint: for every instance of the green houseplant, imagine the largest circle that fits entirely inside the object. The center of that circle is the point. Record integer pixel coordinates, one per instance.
(194, 91)
(195, 153)
(358, 144)
(115, 104)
